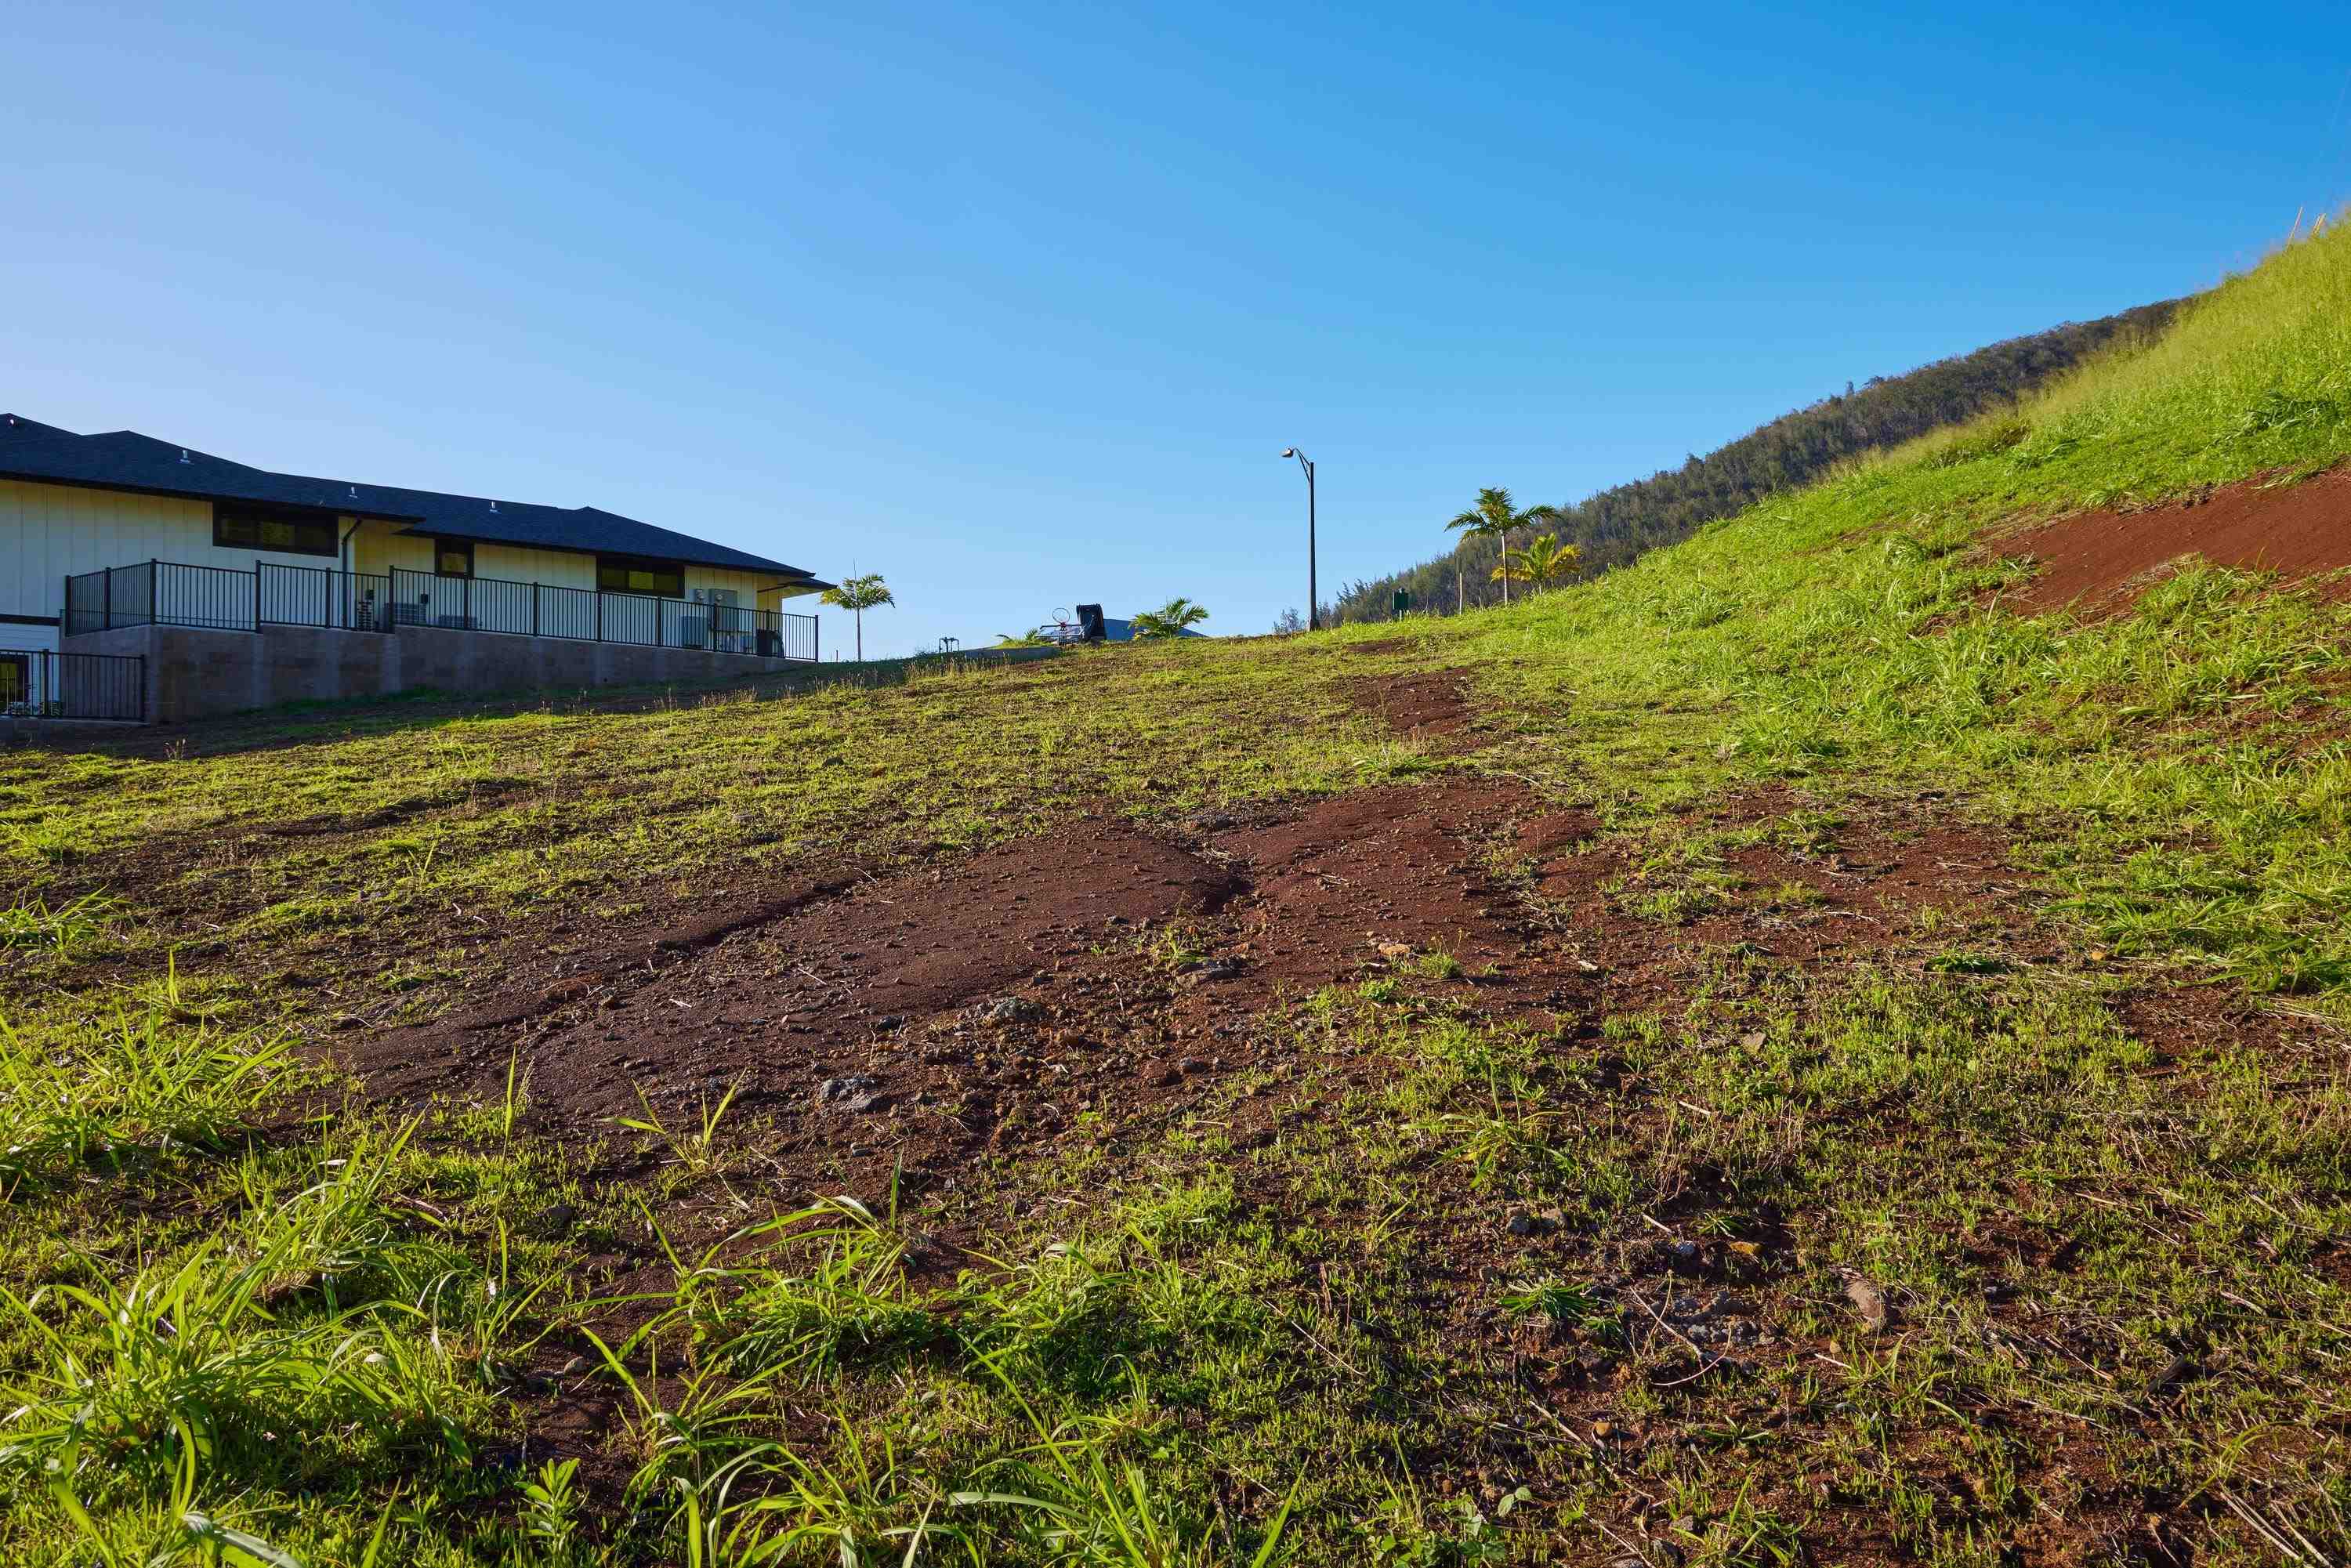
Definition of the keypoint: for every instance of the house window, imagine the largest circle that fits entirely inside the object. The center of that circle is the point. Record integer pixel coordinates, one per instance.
(452, 558)
(626, 574)
(277, 530)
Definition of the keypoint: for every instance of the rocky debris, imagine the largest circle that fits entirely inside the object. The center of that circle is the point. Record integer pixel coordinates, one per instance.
(1208, 971)
(1870, 1302)
(858, 1091)
(557, 1220)
(1008, 1009)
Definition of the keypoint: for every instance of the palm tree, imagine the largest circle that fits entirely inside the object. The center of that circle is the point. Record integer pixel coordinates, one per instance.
(858, 595)
(1544, 559)
(1493, 518)
(1169, 620)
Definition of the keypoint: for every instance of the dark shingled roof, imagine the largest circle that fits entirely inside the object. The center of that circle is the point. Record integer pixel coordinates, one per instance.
(126, 460)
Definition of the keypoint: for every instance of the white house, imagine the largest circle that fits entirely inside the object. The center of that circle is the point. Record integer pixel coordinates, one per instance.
(103, 532)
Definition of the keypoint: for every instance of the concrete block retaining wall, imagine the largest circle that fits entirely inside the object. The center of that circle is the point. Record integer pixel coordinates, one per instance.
(192, 673)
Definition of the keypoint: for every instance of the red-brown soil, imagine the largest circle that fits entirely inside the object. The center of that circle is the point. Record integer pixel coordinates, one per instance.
(2100, 561)
(1085, 982)
(1090, 988)
(1431, 706)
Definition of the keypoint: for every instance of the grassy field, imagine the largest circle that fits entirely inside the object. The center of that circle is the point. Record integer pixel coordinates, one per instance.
(1640, 1220)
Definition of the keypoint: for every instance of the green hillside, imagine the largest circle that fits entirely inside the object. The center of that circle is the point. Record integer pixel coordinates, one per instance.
(1619, 524)
(1768, 1056)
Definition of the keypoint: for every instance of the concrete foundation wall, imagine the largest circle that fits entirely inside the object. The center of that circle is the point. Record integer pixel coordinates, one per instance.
(197, 673)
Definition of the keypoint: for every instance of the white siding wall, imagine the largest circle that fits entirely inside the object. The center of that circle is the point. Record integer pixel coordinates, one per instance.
(555, 568)
(746, 584)
(19, 638)
(51, 532)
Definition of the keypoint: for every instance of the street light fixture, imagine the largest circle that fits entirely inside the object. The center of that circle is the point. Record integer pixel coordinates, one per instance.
(1314, 600)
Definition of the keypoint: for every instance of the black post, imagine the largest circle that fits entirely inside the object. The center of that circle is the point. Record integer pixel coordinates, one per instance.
(1314, 593)
(154, 589)
(1313, 598)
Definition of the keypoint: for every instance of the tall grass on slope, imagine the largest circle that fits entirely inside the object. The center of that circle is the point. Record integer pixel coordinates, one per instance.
(1851, 630)
(101, 1091)
(2256, 375)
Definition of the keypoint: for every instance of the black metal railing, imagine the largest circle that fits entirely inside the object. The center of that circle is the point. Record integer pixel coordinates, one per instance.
(42, 684)
(321, 596)
(221, 598)
(169, 593)
(588, 615)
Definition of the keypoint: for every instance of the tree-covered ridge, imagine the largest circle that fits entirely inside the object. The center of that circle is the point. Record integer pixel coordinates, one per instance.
(1619, 524)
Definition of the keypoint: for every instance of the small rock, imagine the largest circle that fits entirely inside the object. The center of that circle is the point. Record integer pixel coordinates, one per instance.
(1193, 1064)
(559, 1218)
(886, 1022)
(855, 1092)
(1870, 1302)
(1162, 1077)
(1008, 1009)
(1521, 1222)
(1752, 1040)
(2180, 1369)
(572, 1368)
(344, 1023)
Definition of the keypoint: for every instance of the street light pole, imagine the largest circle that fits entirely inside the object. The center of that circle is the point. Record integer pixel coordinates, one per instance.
(1313, 598)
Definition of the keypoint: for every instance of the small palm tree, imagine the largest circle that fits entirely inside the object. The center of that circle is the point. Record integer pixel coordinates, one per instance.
(857, 595)
(1544, 559)
(1494, 517)
(1169, 620)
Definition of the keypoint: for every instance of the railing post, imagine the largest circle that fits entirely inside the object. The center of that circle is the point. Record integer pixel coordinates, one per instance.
(256, 599)
(536, 590)
(154, 589)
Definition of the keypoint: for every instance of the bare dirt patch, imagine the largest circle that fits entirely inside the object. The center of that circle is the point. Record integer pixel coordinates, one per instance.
(1384, 878)
(1433, 707)
(2100, 561)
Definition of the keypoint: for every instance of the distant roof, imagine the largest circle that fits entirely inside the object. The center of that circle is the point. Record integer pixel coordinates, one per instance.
(126, 460)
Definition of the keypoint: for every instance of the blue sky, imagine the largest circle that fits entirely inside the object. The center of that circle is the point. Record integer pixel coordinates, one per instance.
(1017, 306)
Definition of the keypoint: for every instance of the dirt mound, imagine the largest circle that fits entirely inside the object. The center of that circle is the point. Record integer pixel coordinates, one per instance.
(1433, 708)
(2100, 561)
(1381, 878)
(786, 990)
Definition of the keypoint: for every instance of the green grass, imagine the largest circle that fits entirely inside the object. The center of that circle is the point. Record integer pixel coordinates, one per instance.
(1446, 1308)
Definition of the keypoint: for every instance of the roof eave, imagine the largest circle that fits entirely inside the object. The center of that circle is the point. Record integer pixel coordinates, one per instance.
(189, 493)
